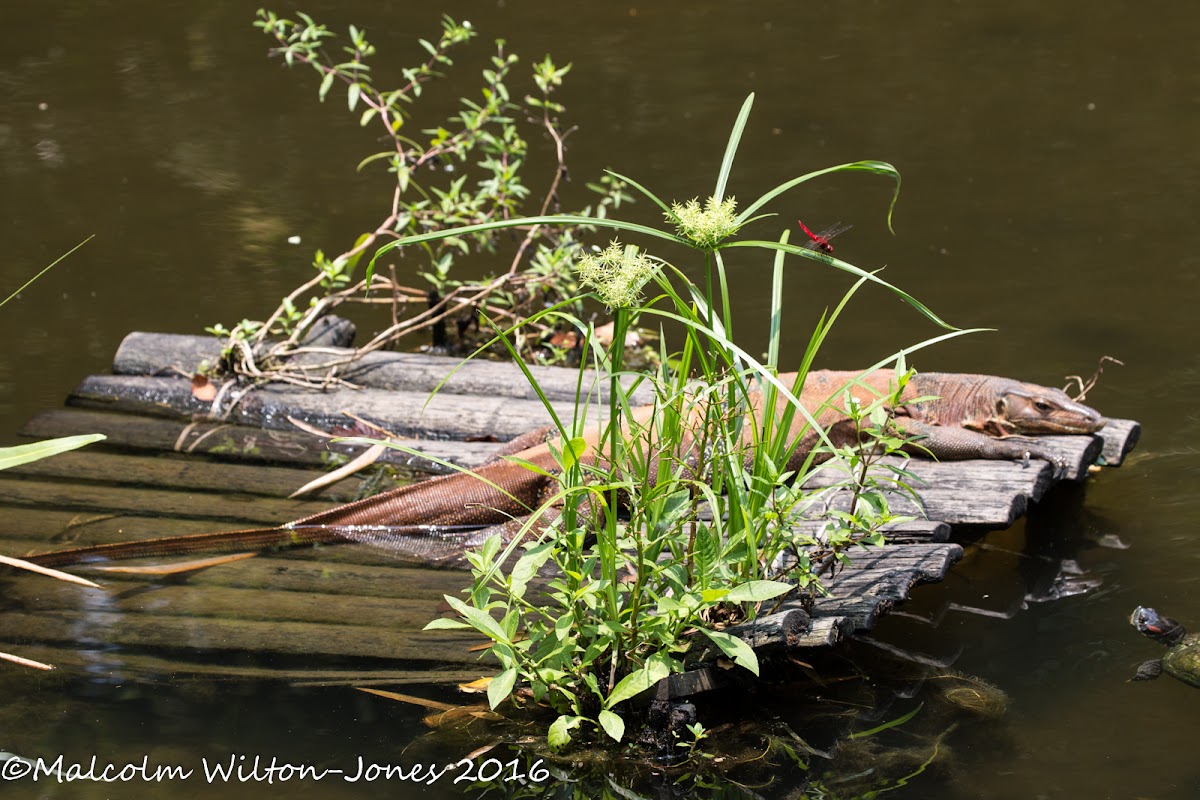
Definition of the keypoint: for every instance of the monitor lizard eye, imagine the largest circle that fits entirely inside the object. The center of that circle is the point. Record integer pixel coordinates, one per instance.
(1043, 406)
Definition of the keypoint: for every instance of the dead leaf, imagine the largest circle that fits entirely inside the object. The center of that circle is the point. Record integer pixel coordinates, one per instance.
(475, 687)
(460, 714)
(26, 662)
(408, 698)
(485, 749)
(364, 459)
(203, 389)
(182, 566)
(53, 573)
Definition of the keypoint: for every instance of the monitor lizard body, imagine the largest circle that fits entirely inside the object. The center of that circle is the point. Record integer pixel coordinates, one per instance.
(956, 416)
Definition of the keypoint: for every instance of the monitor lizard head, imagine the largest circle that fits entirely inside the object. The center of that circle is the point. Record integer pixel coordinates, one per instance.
(1025, 408)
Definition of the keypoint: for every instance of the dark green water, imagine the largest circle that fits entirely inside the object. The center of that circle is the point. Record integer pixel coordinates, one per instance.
(1050, 178)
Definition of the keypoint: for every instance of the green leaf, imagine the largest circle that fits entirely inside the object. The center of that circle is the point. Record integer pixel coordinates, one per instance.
(613, 725)
(480, 620)
(708, 549)
(735, 137)
(25, 453)
(501, 687)
(844, 266)
(756, 591)
(529, 465)
(527, 566)
(445, 624)
(559, 735)
(326, 85)
(573, 451)
(877, 167)
(741, 653)
(639, 681)
(649, 194)
(352, 95)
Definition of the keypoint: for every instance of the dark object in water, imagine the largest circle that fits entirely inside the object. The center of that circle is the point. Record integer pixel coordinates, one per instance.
(1182, 660)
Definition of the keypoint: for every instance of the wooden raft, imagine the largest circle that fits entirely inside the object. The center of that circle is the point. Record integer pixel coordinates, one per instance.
(302, 610)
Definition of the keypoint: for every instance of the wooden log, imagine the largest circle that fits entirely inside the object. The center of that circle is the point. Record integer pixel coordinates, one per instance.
(158, 631)
(186, 474)
(913, 531)
(876, 579)
(125, 666)
(995, 508)
(1120, 437)
(404, 413)
(128, 594)
(89, 497)
(240, 442)
(158, 353)
(350, 570)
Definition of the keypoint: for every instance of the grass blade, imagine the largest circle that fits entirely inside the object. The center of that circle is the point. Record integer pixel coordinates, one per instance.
(735, 138)
(846, 267)
(649, 194)
(46, 269)
(877, 167)
(25, 453)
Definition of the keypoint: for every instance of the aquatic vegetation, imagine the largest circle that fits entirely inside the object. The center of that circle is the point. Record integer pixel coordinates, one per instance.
(673, 523)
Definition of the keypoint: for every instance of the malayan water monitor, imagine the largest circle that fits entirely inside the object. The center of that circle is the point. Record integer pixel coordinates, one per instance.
(969, 416)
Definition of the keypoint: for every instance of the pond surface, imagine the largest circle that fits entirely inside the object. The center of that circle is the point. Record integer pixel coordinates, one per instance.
(1050, 181)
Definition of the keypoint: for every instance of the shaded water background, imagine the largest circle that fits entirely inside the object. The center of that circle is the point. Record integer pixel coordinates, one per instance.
(1050, 177)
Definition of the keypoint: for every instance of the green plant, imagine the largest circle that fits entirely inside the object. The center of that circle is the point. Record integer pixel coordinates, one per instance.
(638, 563)
(463, 171)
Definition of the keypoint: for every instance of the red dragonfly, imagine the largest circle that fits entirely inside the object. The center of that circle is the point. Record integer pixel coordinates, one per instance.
(820, 241)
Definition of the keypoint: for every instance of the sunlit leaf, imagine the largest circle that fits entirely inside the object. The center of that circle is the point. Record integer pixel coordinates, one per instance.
(559, 735)
(613, 725)
(637, 682)
(756, 591)
(479, 619)
(742, 654)
(25, 453)
(445, 624)
(501, 687)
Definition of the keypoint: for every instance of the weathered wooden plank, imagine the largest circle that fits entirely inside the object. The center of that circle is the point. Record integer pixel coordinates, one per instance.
(995, 508)
(106, 628)
(881, 577)
(125, 665)
(241, 442)
(403, 413)
(130, 595)
(344, 570)
(876, 580)
(156, 353)
(35, 527)
(917, 530)
(185, 473)
(162, 502)
(1120, 437)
